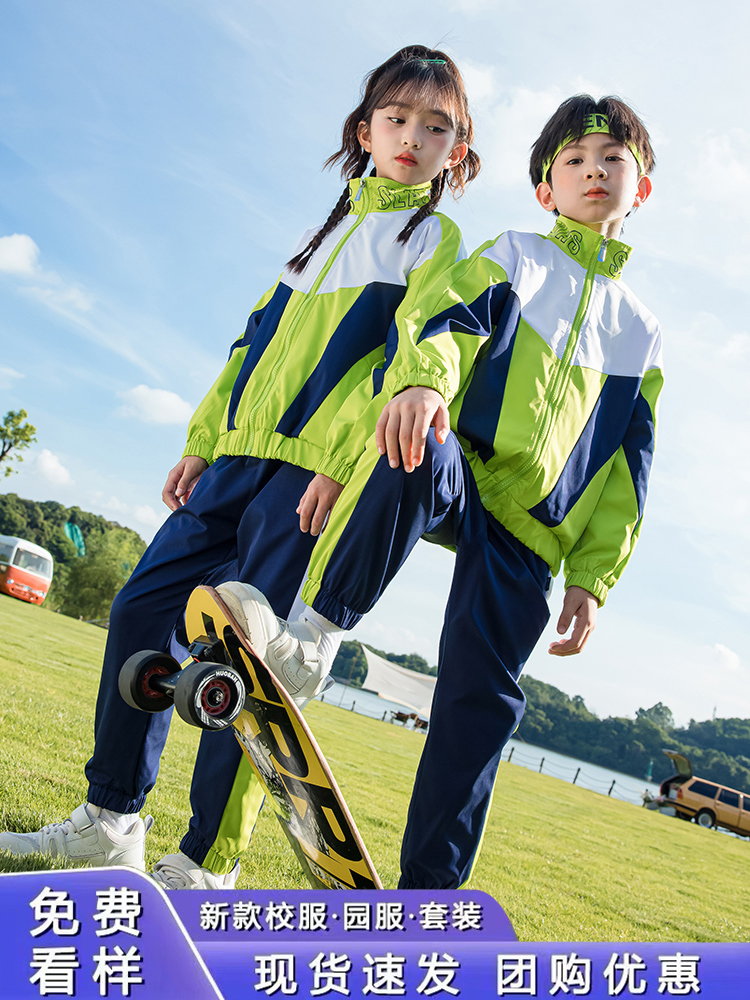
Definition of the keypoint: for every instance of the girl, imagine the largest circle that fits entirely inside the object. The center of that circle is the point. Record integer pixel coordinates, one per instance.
(279, 413)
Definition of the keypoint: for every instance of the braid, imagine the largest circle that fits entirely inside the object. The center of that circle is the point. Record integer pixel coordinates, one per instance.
(299, 262)
(436, 193)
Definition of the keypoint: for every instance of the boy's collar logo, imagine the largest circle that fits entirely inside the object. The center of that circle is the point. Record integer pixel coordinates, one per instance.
(572, 240)
(593, 123)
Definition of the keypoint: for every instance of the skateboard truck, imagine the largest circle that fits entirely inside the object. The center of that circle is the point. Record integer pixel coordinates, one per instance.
(206, 694)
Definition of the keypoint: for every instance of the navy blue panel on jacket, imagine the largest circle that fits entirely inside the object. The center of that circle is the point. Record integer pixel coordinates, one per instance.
(602, 436)
(359, 332)
(639, 448)
(261, 328)
(480, 409)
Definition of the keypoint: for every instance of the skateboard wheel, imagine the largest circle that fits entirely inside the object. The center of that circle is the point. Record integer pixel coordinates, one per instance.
(136, 675)
(209, 695)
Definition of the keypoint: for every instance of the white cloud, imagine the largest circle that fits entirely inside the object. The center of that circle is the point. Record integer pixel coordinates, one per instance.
(52, 469)
(154, 406)
(148, 516)
(8, 376)
(727, 658)
(18, 254)
(61, 298)
(723, 156)
(480, 83)
(142, 513)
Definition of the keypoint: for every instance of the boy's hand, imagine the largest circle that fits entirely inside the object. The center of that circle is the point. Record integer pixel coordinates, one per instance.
(404, 423)
(317, 503)
(582, 606)
(182, 479)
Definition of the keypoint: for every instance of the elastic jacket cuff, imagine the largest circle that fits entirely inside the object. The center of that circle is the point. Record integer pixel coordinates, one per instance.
(589, 582)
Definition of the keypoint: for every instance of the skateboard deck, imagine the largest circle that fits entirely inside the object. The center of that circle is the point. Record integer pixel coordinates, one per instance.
(286, 758)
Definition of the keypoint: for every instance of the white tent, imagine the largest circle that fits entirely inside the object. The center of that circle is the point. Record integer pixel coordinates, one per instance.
(394, 683)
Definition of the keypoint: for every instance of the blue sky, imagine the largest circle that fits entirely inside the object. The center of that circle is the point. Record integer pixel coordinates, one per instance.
(160, 158)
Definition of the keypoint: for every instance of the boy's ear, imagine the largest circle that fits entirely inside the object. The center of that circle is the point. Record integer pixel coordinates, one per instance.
(458, 153)
(545, 197)
(644, 190)
(363, 136)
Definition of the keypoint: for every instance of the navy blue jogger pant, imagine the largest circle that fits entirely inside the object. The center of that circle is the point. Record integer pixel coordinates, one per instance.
(241, 515)
(496, 612)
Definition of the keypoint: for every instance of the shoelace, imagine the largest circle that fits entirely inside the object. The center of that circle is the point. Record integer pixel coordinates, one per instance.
(67, 826)
(174, 877)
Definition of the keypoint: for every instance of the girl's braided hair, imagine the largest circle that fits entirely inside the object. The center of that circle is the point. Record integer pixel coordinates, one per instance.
(414, 75)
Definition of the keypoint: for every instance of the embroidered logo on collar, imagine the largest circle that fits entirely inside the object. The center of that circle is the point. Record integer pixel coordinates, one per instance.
(569, 238)
(619, 261)
(400, 198)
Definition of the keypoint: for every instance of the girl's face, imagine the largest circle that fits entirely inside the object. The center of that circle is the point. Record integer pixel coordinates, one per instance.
(411, 143)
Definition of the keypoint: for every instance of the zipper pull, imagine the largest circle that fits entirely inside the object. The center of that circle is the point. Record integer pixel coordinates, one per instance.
(360, 189)
(602, 251)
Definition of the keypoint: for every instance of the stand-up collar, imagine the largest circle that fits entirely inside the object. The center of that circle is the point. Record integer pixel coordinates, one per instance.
(584, 245)
(379, 194)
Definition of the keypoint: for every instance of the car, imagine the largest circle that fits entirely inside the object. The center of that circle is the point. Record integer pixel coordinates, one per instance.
(707, 803)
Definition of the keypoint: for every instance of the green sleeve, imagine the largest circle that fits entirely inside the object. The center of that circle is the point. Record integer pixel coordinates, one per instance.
(598, 558)
(210, 418)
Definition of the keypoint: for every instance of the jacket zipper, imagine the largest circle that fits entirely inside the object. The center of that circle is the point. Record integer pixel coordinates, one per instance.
(559, 381)
(308, 300)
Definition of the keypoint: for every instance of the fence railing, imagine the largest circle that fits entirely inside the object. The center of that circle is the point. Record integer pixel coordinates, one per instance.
(605, 786)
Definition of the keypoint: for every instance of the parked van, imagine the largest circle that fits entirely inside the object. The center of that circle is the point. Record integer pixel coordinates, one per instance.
(25, 569)
(706, 802)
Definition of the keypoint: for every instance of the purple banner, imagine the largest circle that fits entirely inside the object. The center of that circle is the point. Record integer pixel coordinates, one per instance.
(113, 932)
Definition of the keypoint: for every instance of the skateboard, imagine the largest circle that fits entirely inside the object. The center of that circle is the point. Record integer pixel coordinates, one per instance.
(225, 683)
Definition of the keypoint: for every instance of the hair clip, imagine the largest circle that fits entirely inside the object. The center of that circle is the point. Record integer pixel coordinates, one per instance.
(434, 62)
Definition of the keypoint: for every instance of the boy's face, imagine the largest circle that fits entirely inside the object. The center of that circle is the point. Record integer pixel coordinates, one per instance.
(594, 181)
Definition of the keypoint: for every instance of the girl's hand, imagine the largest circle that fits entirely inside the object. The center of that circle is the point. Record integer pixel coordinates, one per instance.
(182, 479)
(317, 503)
(404, 423)
(582, 606)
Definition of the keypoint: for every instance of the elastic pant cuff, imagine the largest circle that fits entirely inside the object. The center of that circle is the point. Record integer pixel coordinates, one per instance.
(195, 848)
(332, 608)
(107, 798)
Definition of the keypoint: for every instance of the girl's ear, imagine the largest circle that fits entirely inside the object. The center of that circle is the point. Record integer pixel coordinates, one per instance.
(458, 153)
(363, 136)
(545, 197)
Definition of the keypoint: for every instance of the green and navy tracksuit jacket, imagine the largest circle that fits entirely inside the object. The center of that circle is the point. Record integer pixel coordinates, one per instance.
(302, 370)
(552, 368)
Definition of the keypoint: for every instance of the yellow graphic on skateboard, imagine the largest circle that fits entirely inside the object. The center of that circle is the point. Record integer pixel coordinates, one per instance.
(227, 684)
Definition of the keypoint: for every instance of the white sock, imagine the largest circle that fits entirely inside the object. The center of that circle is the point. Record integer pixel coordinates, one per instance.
(330, 634)
(119, 822)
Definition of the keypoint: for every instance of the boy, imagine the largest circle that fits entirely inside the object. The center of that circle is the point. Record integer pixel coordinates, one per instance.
(554, 433)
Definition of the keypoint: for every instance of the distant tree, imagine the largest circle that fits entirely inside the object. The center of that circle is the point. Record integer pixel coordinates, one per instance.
(659, 714)
(350, 664)
(15, 435)
(81, 586)
(94, 581)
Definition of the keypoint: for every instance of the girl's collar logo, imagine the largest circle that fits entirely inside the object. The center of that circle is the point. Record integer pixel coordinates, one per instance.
(402, 198)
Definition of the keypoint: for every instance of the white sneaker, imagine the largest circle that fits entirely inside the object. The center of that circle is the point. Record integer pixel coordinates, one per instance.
(289, 649)
(177, 871)
(85, 839)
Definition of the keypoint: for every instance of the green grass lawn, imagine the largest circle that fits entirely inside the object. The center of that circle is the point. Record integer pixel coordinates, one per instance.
(565, 863)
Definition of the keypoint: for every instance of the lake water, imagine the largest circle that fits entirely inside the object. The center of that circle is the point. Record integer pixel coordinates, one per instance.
(557, 765)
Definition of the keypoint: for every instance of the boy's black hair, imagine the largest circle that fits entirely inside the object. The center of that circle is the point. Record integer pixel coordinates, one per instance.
(415, 73)
(568, 123)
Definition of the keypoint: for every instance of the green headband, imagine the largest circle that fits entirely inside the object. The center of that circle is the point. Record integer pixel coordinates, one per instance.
(591, 124)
